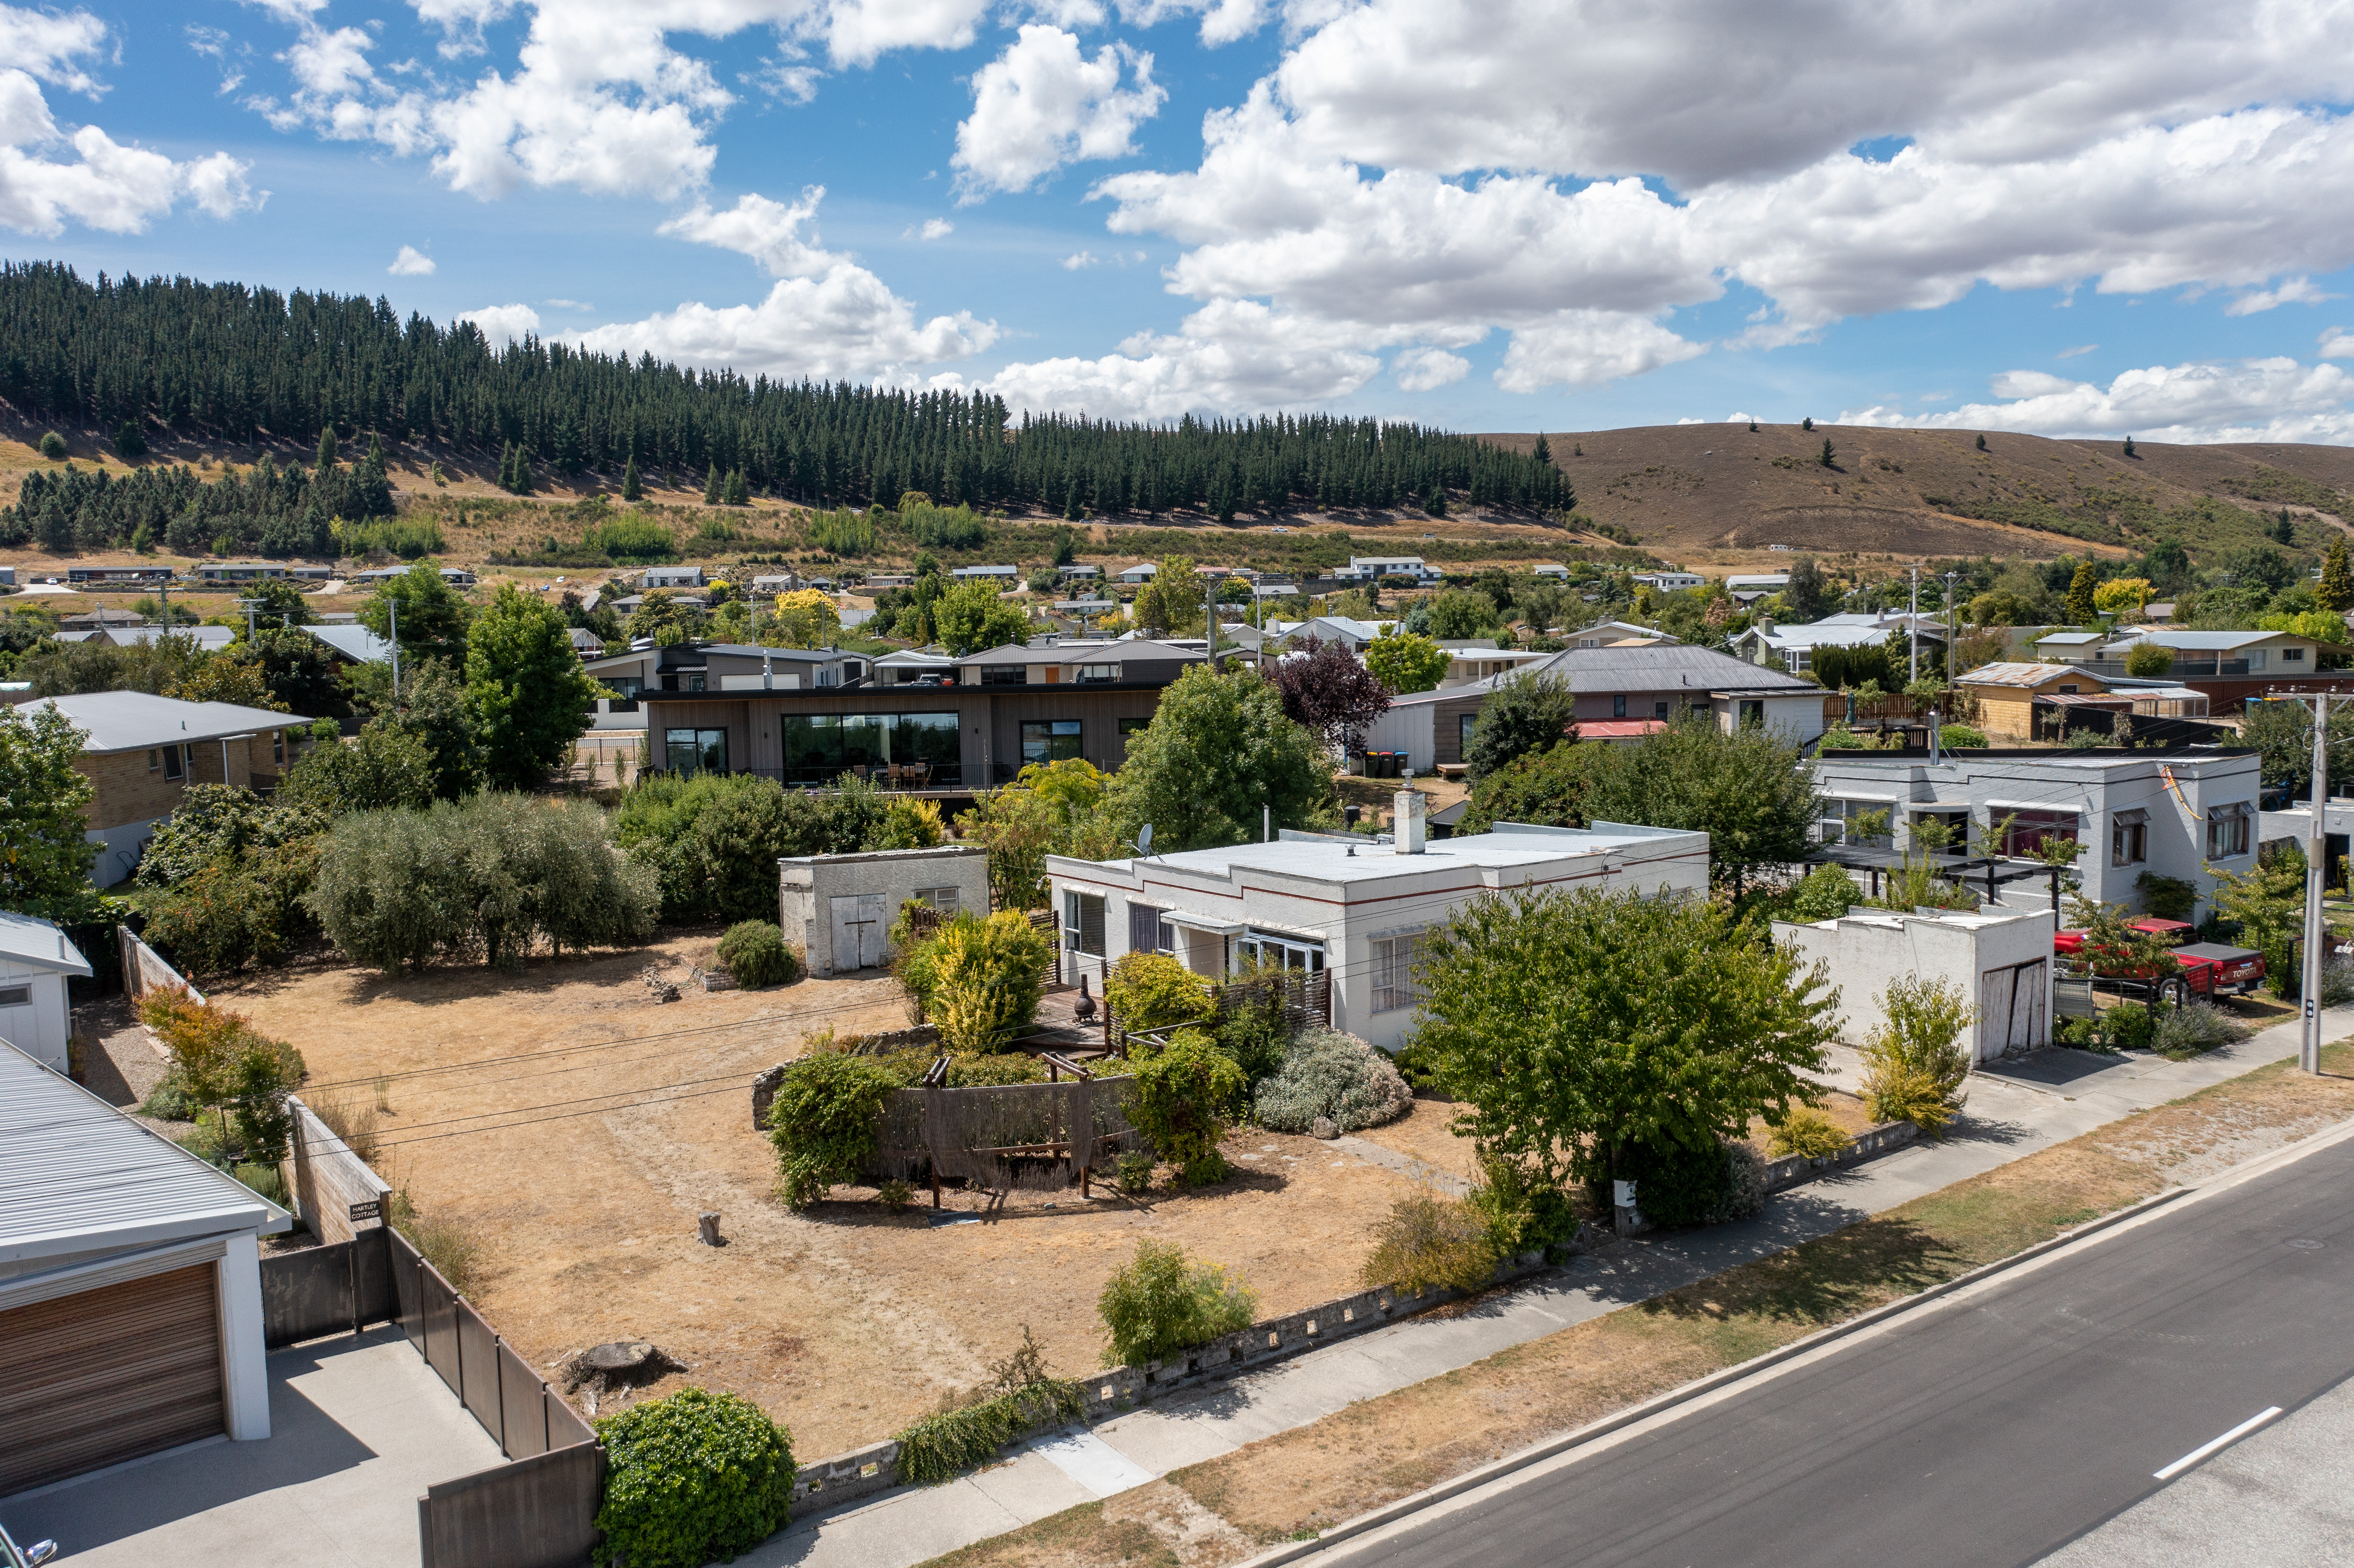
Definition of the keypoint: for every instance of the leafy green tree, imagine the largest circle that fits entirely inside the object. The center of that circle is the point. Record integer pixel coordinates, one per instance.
(1752, 790)
(130, 440)
(632, 489)
(526, 689)
(229, 676)
(301, 672)
(1807, 598)
(2282, 732)
(1187, 1095)
(44, 859)
(1522, 714)
(738, 492)
(712, 485)
(1461, 613)
(433, 616)
(1171, 604)
(434, 709)
(278, 603)
(1545, 788)
(666, 618)
(2260, 566)
(1406, 661)
(1580, 1026)
(1218, 749)
(2147, 661)
(2335, 591)
(971, 619)
(382, 768)
(2267, 901)
(2080, 610)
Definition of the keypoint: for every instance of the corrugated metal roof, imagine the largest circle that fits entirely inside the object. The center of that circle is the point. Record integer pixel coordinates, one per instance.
(130, 721)
(2025, 675)
(83, 1177)
(28, 939)
(356, 643)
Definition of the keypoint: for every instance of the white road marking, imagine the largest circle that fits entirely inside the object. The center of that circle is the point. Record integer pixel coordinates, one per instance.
(2225, 1441)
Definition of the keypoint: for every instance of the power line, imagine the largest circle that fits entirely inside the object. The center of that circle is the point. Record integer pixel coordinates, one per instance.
(567, 1116)
(584, 1099)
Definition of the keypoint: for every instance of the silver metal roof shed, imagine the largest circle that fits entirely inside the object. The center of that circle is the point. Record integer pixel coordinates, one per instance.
(83, 1178)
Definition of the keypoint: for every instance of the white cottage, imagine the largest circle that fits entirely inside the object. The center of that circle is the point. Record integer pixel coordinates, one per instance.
(1999, 958)
(841, 907)
(1349, 907)
(36, 1016)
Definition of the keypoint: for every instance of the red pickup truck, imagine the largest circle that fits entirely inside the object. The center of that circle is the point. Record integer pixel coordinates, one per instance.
(2209, 969)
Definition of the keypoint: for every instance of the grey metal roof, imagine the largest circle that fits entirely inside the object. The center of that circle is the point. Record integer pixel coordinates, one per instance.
(1081, 653)
(83, 1177)
(28, 939)
(211, 638)
(1659, 667)
(133, 721)
(356, 643)
(2202, 642)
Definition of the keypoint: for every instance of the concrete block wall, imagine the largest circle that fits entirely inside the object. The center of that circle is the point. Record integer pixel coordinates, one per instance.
(808, 884)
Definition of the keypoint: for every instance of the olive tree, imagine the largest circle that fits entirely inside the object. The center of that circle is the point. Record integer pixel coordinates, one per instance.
(1577, 1027)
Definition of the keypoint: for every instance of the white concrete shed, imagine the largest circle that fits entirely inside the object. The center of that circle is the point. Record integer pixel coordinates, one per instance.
(2001, 960)
(841, 907)
(36, 1015)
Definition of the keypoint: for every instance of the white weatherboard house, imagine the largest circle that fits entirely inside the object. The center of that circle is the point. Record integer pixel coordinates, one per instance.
(1352, 909)
(36, 1015)
(129, 1286)
(1999, 958)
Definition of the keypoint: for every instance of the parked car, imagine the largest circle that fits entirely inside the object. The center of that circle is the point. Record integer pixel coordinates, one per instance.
(2210, 970)
(14, 1556)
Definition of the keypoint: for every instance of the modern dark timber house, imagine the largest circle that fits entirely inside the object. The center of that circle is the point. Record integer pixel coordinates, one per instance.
(805, 718)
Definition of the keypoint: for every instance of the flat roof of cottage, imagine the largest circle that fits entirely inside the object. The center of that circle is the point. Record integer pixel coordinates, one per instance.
(1326, 858)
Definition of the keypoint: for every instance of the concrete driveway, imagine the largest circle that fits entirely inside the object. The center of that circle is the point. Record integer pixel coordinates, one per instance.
(360, 1426)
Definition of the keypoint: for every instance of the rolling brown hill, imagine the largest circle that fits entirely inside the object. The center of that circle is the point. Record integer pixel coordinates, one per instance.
(1717, 495)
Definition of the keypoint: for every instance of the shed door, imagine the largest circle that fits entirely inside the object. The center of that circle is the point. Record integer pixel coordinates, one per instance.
(109, 1374)
(860, 925)
(21, 1018)
(1995, 989)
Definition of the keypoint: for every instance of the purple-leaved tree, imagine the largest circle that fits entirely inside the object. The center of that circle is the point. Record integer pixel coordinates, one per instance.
(1329, 689)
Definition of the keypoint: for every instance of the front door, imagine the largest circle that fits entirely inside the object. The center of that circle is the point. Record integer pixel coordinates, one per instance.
(859, 929)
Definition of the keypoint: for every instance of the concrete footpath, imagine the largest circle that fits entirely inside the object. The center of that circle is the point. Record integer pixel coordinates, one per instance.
(2013, 1110)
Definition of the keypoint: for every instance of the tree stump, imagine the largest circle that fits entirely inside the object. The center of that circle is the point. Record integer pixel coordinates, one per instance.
(708, 1223)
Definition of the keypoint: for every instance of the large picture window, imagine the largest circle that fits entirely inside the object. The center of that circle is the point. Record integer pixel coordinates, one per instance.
(909, 751)
(2030, 830)
(1049, 740)
(693, 751)
(1277, 950)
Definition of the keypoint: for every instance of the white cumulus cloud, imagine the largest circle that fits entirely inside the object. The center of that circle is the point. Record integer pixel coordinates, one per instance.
(826, 318)
(1230, 354)
(1042, 104)
(1427, 369)
(2273, 400)
(411, 263)
(103, 183)
(503, 324)
(2291, 291)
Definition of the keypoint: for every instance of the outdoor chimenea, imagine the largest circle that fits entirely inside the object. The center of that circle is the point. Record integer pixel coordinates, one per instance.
(1086, 1006)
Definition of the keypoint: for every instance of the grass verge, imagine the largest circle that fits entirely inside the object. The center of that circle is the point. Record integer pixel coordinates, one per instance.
(1387, 1447)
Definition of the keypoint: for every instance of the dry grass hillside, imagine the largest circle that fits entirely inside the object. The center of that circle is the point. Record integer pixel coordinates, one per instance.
(1719, 494)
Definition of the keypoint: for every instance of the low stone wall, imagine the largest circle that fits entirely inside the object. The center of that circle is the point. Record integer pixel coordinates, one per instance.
(1796, 1170)
(862, 1472)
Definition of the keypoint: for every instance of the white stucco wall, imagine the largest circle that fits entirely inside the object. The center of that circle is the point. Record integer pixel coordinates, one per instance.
(808, 884)
(1869, 948)
(41, 1026)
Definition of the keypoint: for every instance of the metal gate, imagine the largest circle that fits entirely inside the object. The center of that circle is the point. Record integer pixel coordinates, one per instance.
(861, 925)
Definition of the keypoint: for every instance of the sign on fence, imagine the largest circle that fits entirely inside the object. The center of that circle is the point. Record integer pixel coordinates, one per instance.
(372, 1209)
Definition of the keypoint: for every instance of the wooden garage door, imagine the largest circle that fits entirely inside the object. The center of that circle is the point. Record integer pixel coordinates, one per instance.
(107, 1375)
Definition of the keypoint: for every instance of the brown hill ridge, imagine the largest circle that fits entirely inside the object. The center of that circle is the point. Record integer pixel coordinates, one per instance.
(1718, 494)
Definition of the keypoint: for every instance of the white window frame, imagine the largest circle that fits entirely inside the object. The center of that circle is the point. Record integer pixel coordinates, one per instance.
(1076, 910)
(1396, 988)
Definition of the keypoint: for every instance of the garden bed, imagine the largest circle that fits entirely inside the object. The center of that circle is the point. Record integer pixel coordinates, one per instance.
(846, 1322)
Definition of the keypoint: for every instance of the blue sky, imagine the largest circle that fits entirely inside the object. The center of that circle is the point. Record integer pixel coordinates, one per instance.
(1502, 215)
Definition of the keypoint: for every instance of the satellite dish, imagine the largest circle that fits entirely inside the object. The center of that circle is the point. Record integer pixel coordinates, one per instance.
(1144, 839)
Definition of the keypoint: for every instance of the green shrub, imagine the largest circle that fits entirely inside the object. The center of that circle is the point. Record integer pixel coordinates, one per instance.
(2196, 1026)
(2167, 897)
(385, 765)
(2129, 1026)
(2076, 1031)
(218, 825)
(757, 955)
(632, 538)
(1019, 1398)
(1419, 1065)
(1159, 1304)
(491, 877)
(895, 1195)
(2337, 982)
(1806, 1131)
(1914, 1061)
(1678, 1185)
(1522, 1208)
(1186, 1096)
(713, 840)
(1427, 1240)
(1827, 894)
(223, 1064)
(222, 916)
(268, 1181)
(1961, 735)
(978, 979)
(53, 445)
(1153, 990)
(169, 1100)
(1251, 1026)
(1136, 1171)
(823, 1120)
(692, 1478)
(1328, 1074)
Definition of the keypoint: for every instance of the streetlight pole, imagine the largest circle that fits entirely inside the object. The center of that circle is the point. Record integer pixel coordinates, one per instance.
(1952, 579)
(2308, 1046)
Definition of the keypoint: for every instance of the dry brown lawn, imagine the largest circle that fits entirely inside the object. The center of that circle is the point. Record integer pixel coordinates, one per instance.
(844, 1322)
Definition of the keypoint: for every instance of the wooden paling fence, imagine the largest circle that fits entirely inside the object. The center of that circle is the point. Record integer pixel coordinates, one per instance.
(537, 1510)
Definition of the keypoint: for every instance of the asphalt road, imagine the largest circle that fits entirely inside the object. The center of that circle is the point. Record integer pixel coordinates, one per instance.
(1992, 1430)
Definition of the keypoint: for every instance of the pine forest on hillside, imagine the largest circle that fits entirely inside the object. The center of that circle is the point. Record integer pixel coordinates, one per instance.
(229, 361)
